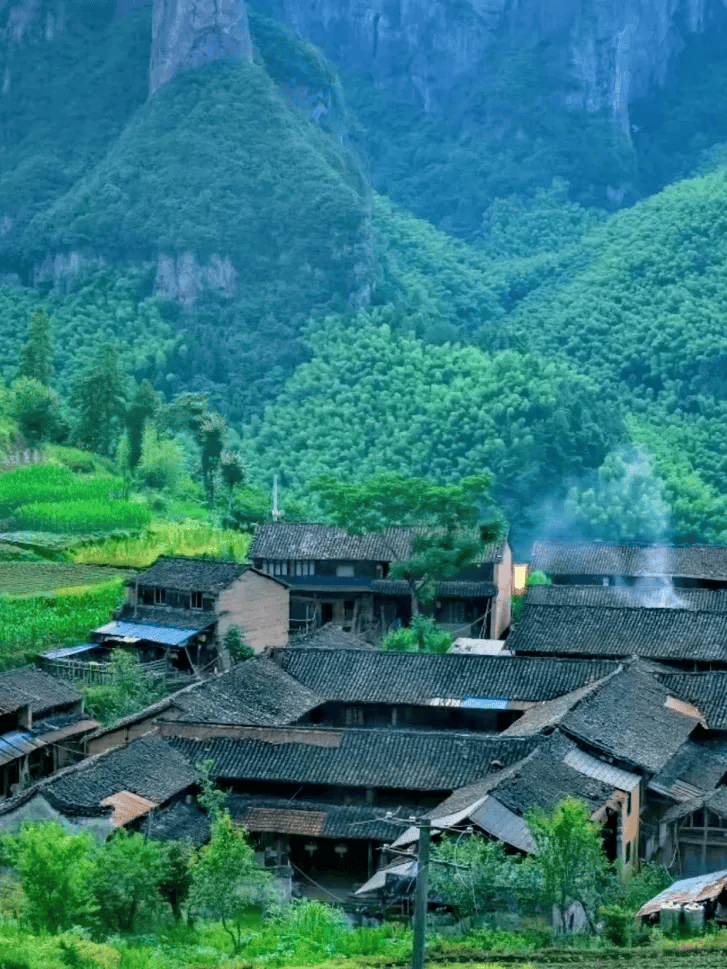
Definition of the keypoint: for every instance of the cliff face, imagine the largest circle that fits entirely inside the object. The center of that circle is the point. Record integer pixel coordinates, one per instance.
(188, 34)
(610, 52)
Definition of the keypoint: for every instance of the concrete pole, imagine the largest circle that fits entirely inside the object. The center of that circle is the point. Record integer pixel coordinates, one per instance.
(420, 901)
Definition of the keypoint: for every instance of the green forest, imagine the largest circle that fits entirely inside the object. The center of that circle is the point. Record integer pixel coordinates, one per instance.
(370, 289)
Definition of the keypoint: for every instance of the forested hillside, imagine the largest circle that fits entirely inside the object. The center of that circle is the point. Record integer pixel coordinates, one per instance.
(359, 285)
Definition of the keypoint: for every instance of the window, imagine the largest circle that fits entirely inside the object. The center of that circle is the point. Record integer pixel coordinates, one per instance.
(160, 597)
(627, 853)
(195, 601)
(344, 571)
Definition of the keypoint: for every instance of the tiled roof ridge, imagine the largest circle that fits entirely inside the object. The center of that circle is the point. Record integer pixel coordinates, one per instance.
(41, 786)
(640, 545)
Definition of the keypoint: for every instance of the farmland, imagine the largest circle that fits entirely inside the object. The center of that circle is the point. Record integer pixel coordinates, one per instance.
(31, 578)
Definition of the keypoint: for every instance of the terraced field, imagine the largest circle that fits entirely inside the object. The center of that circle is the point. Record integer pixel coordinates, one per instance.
(32, 578)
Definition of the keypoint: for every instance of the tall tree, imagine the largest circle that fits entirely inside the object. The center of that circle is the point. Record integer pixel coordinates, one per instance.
(99, 399)
(451, 523)
(36, 357)
(143, 407)
(233, 471)
(570, 857)
(226, 878)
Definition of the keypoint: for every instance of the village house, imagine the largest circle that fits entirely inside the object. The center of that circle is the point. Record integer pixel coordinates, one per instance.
(688, 631)
(180, 609)
(370, 688)
(344, 579)
(606, 563)
(42, 727)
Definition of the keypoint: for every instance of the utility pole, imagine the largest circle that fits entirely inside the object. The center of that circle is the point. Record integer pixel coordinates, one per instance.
(421, 898)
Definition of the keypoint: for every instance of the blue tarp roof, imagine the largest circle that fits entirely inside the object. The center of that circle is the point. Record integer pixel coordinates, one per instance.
(16, 744)
(166, 635)
(69, 651)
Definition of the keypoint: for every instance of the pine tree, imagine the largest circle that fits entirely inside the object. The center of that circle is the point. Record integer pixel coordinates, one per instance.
(36, 357)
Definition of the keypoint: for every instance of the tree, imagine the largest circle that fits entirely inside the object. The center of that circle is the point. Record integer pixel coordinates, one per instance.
(99, 399)
(38, 411)
(570, 858)
(451, 522)
(143, 408)
(233, 471)
(177, 858)
(471, 874)
(422, 636)
(56, 870)
(225, 877)
(126, 881)
(162, 462)
(36, 357)
(211, 438)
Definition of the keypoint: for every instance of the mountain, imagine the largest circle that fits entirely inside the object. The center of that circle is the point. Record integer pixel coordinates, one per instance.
(441, 236)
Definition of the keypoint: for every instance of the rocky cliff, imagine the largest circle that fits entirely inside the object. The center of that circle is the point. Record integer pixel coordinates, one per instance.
(608, 52)
(188, 34)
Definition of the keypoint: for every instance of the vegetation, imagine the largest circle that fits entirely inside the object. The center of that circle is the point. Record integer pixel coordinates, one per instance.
(451, 523)
(29, 578)
(166, 538)
(30, 624)
(422, 635)
(131, 688)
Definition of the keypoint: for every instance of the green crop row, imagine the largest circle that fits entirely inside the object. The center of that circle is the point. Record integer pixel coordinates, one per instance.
(31, 624)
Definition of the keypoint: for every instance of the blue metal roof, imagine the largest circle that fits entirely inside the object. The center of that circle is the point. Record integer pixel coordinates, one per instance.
(484, 703)
(69, 651)
(165, 635)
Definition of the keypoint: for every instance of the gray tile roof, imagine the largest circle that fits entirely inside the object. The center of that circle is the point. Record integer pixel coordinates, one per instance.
(707, 691)
(190, 574)
(716, 801)
(605, 558)
(41, 691)
(372, 676)
(255, 693)
(170, 618)
(148, 766)
(448, 589)
(654, 633)
(330, 637)
(415, 760)
(279, 541)
(544, 779)
(642, 596)
(692, 766)
(626, 718)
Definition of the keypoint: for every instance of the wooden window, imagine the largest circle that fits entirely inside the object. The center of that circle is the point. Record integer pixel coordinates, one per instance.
(195, 600)
(160, 596)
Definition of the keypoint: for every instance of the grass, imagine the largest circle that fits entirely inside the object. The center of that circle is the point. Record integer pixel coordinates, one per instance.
(32, 578)
(167, 538)
(31, 624)
(81, 517)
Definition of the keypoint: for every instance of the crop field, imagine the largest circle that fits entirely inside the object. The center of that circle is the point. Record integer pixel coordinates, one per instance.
(167, 538)
(31, 624)
(31, 578)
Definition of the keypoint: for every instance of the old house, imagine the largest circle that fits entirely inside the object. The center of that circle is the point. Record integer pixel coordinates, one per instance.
(362, 687)
(606, 563)
(42, 727)
(181, 608)
(496, 805)
(344, 579)
(688, 631)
